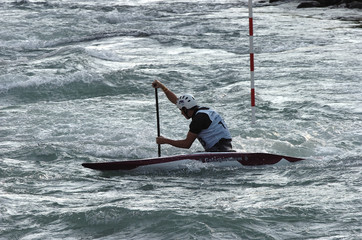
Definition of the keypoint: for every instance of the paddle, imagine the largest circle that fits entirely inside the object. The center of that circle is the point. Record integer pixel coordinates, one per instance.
(158, 122)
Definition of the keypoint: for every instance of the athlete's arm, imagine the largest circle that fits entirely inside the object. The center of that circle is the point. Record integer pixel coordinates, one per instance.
(169, 94)
(185, 143)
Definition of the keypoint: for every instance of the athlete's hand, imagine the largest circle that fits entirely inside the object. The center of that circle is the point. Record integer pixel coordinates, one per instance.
(161, 140)
(157, 84)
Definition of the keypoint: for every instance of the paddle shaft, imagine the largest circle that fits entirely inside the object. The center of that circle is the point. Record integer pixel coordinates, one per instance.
(158, 121)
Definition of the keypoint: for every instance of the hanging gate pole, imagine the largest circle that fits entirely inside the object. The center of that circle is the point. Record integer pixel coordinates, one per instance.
(251, 51)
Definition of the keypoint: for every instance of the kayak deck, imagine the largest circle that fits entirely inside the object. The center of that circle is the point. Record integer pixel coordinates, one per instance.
(246, 159)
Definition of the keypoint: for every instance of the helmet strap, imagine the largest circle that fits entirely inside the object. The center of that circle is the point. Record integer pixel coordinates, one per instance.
(185, 111)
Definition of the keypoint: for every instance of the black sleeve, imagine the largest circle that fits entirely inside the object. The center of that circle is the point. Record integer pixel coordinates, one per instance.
(199, 122)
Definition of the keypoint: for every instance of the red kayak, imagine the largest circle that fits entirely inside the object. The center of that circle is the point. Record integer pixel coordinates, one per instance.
(246, 159)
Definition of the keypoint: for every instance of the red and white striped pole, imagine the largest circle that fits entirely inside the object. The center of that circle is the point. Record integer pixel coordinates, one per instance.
(251, 51)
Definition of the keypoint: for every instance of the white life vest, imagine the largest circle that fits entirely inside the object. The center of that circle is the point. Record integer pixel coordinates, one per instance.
(216, 131)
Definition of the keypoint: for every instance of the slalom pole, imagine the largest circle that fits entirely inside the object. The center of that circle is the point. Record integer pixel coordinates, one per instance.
(158, 121)
(251, 51)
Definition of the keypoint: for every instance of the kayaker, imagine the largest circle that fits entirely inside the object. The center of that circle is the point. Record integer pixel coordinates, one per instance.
(206, 125)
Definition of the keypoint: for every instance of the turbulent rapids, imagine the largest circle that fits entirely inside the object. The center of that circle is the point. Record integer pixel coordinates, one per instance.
(75, 88)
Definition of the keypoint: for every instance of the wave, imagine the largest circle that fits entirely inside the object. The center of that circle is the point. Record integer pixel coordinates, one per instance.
(80, 85)
(161, 21)
(35, 44)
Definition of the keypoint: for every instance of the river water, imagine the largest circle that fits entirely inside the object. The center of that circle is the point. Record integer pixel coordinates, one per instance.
(75, 86)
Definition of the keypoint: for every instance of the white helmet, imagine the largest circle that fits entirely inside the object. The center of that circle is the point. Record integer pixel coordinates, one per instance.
(186, 101)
